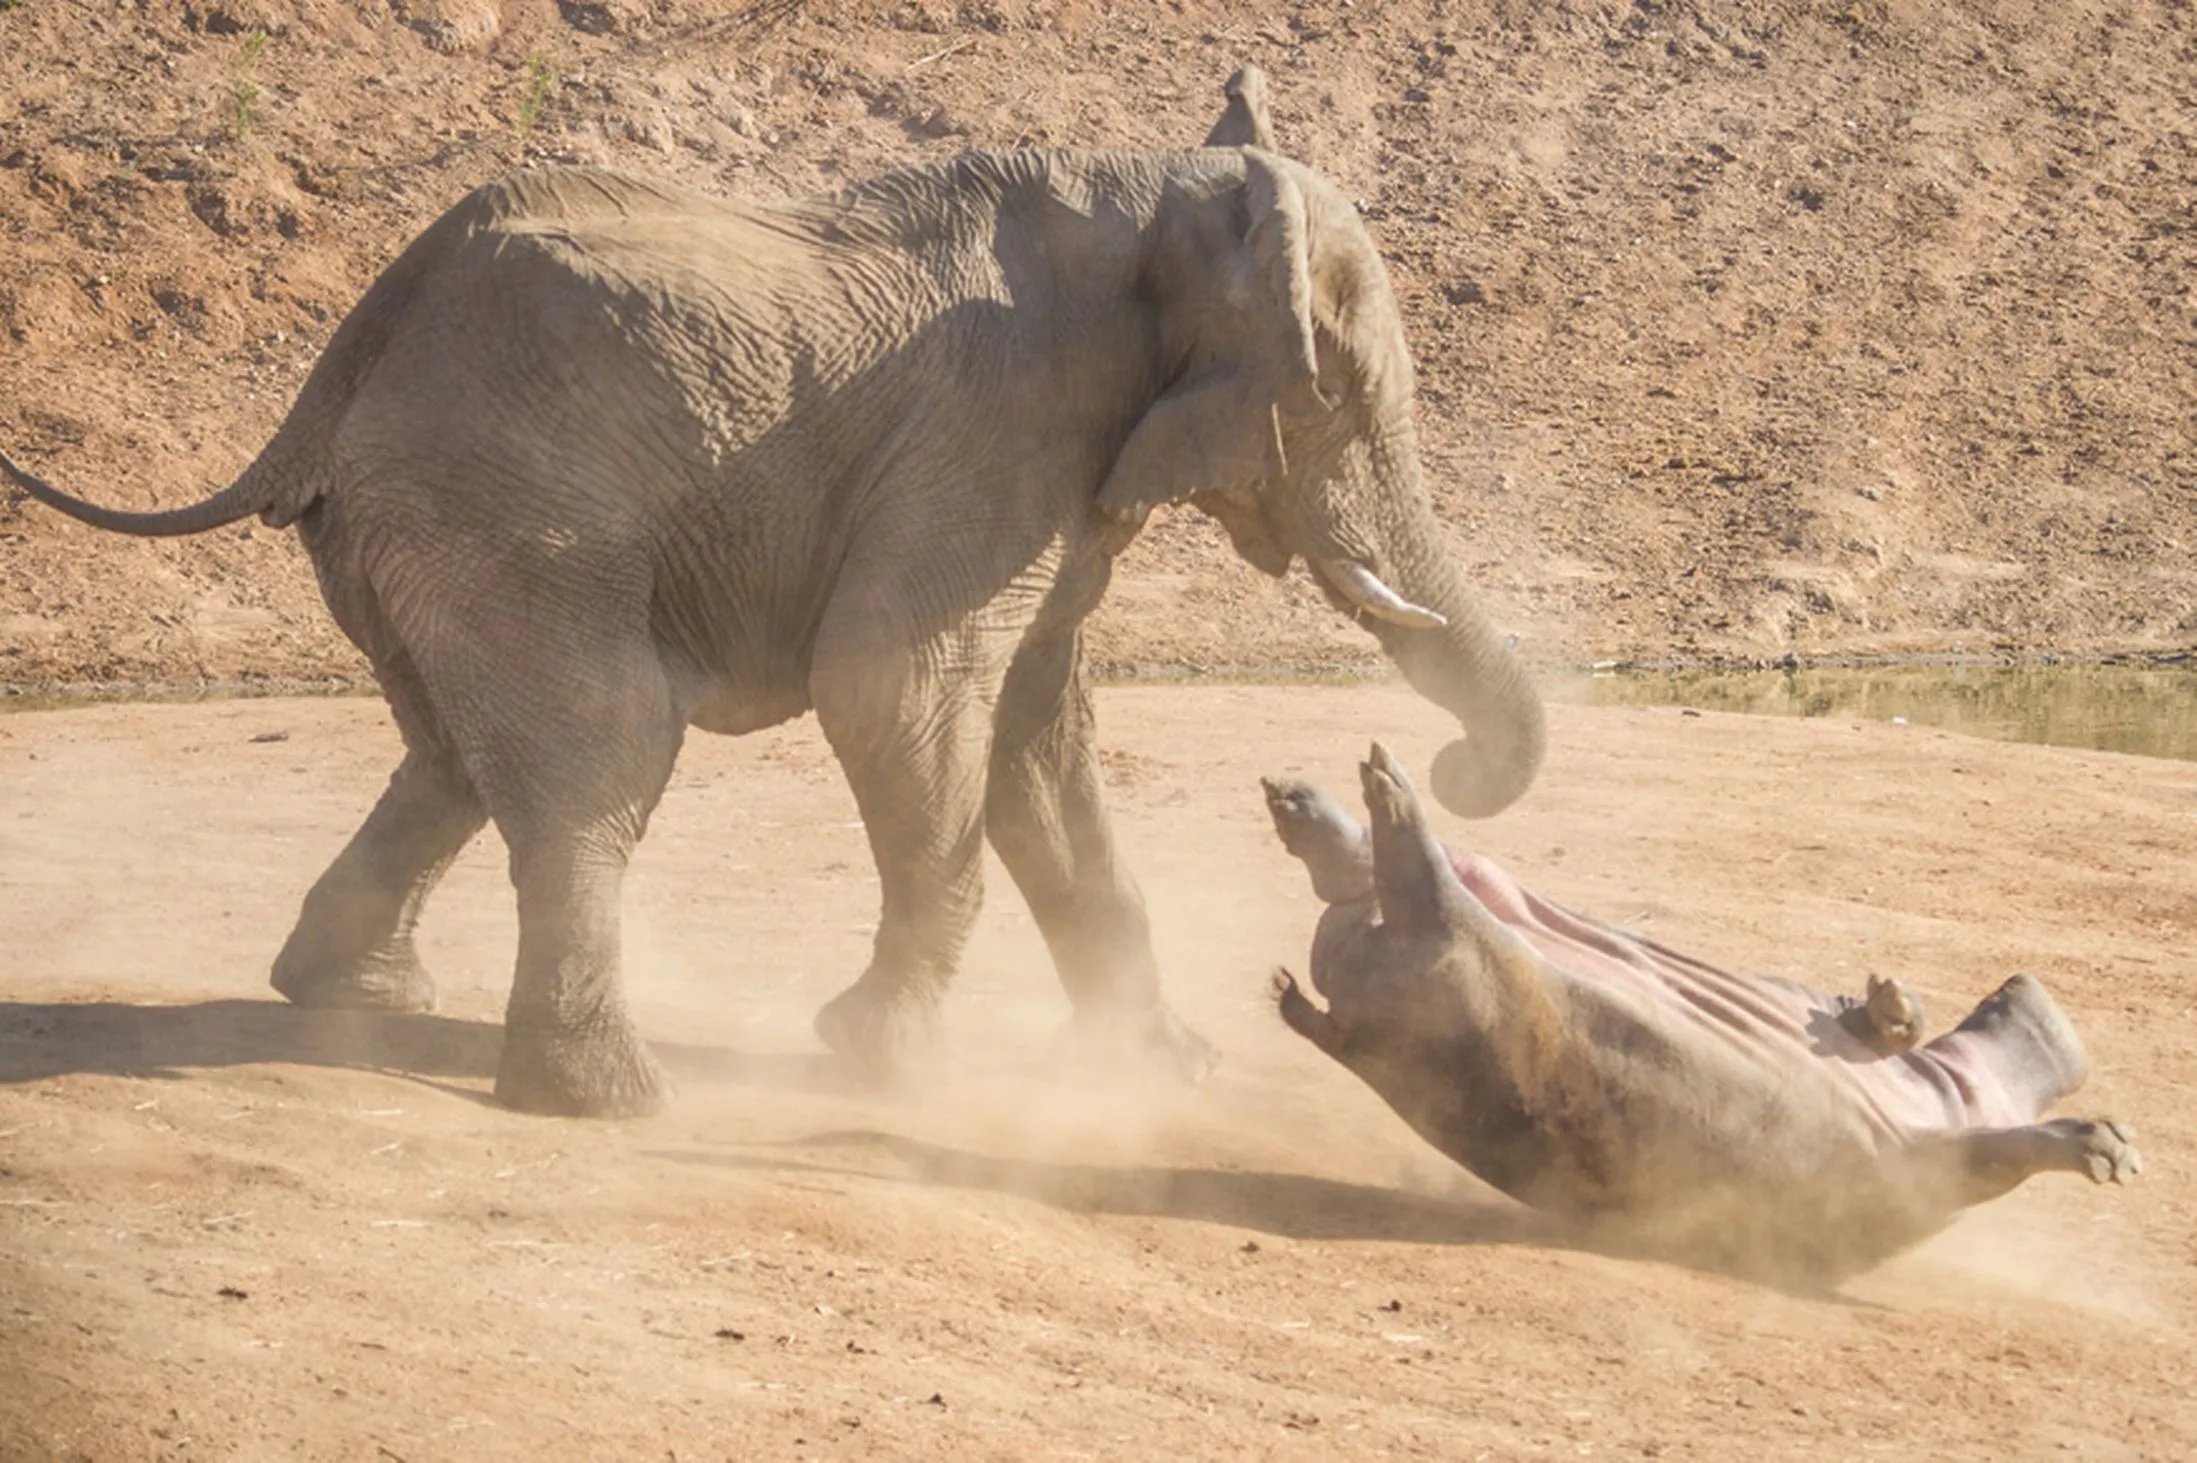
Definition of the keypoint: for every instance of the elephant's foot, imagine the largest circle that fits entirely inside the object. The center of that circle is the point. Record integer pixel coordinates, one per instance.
(884, 1039)
(606, 1072)
(389, 978)
(1153, 1041)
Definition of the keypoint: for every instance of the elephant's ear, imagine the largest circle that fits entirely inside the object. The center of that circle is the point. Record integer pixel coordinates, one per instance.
(1215, 428)
(1245, 123)
(1272, 283)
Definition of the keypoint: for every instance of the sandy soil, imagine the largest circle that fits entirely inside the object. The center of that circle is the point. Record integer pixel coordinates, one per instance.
(233, 1230)
(1746, 328)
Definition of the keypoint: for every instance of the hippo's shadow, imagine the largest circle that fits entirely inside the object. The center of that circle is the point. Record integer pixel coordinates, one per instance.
(42, 1040)
(1285, 1205)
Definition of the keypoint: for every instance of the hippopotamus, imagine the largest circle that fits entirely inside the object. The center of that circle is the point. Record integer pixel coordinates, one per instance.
(1746, 1122)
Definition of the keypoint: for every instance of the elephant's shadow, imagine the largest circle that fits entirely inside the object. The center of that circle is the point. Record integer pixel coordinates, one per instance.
(42, 1040)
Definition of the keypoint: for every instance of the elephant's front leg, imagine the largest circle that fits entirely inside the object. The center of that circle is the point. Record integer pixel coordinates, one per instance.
(912, 733)
(1046, 812)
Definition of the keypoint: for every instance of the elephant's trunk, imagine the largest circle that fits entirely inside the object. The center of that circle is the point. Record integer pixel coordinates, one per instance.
(1466, 668)
(1415, 600)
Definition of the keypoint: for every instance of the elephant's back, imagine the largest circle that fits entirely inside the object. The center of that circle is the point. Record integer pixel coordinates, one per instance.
(532, 197)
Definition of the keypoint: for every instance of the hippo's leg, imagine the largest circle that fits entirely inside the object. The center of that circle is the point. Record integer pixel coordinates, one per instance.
(2017, 1046)
(1888, 1020)
(1984, 1163)
(1336, 849)
(1304, 1018)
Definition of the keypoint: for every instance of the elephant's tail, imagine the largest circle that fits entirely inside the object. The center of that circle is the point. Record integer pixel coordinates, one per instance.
(294, 470)
(249, 494)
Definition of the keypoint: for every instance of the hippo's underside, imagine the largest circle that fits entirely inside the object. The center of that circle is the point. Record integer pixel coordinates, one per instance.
(1744, 1121)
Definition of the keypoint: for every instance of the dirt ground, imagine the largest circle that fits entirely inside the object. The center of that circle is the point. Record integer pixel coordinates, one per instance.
(229, 1229)
(1746, 328)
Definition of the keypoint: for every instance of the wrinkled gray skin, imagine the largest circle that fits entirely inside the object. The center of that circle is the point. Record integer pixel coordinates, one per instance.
(597, 460)
(1745, 1122)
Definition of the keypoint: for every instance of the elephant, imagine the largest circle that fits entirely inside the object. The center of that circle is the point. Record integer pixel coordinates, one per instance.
(598, 459)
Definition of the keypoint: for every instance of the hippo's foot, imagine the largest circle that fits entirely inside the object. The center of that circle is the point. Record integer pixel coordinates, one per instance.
(1983, 1163)
(2105, 1149)
(602, 1073)
(388, 978)
(883, 1038)
(1335, 848)
(1153, 1040)
(1888, 1020)
(1302, 1017)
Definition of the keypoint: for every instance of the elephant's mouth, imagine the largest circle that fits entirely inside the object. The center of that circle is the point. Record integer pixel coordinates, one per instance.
(1361, 588)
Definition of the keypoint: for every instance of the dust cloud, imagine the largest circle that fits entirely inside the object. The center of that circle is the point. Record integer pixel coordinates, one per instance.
(229, 1221)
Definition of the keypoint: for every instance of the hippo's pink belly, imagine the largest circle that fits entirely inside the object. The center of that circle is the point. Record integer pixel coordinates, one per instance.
(1780, 1025)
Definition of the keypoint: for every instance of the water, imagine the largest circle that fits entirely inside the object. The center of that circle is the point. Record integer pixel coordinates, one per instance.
(2150, 710)
(161, 694)
(2146, 709)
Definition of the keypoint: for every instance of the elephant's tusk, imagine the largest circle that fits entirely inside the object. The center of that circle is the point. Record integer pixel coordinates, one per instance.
(1365, 590)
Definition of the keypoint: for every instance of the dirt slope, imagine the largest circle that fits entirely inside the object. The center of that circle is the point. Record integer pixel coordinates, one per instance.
(1745, 329)
(229, 1229)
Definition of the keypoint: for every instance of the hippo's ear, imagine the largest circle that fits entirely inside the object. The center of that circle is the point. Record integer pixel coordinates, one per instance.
(1412, 875)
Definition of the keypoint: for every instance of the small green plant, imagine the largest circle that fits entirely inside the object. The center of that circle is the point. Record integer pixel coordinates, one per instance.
(11, 4)
(243, 90)
(542, 74)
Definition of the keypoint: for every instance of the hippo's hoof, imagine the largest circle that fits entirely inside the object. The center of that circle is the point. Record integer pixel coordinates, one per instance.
(2109, 1152)
(882, 1040)
(606, 1073)
(1894, 1016)
(389, 979)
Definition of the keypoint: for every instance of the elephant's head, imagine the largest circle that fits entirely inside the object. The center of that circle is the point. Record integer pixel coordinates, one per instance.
(1286, 415)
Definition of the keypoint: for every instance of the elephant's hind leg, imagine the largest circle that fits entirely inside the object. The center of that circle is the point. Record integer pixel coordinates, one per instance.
(570, 731)
(1045, 810)
(352, 946)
